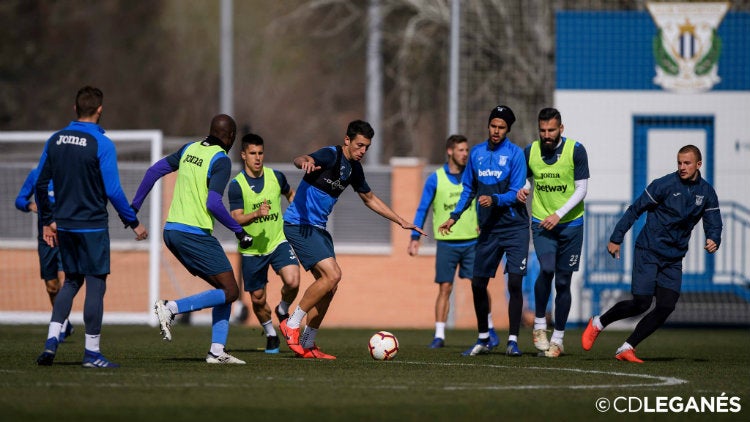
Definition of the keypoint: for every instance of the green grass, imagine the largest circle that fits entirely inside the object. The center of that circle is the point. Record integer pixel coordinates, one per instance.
(170, 381)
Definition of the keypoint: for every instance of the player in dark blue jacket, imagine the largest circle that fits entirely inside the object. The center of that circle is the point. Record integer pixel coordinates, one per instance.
(50, 264)
(674, 204)
(496, 170)
(82, 163)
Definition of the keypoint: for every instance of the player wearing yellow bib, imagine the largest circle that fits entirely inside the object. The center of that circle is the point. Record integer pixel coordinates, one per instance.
(203, 170)
(560, 171)
(456, 249)
(254, 202)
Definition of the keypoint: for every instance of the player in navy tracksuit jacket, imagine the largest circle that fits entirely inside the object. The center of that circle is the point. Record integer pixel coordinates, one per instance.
(674, 204)
(496, 170)
(82, 164)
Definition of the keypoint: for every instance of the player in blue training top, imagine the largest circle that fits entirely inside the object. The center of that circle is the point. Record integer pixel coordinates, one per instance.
(328, 171)
(674, 204)
(255, 202)
(81, 162)
(50, 264)
(560, 169)
(495, 172)
(203, 171)
(441, 192)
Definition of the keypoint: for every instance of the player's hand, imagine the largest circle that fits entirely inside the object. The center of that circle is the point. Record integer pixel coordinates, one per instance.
(410, 226)
(614, 250)
(263, 209)
(309, 166)
(413, 248)
(245, 239)
(32, 207)
(485, 201)
(522, 194)
(711, 246)
(550, 222)
(445, 228)
(49, 234)
(140, 232)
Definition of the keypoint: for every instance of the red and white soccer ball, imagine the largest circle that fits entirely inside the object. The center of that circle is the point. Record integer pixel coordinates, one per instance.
(383, 346)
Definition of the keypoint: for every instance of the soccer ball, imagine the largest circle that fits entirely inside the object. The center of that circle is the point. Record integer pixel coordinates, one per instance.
(383, 346)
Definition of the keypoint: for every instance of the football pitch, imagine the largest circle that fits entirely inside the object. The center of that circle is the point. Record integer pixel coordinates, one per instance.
(161, 381)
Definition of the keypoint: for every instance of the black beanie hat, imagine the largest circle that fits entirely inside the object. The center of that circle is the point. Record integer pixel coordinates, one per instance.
(503, 112)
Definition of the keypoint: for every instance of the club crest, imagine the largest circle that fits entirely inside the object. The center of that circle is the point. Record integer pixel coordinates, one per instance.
(687, 45)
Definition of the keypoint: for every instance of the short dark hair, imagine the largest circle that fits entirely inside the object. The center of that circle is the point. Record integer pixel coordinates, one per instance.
(359, 127)
(88, 100)
(251, 139)
(454, 139)
(549, 113)
(692, 148)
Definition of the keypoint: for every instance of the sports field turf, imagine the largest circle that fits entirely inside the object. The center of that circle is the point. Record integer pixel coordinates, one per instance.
(161, 381)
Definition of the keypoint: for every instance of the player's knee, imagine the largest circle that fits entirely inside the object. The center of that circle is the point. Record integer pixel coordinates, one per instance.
(666, 305)
(547, 265)
(479, 283)
(664, 309)
(291, 284)
(53, 289)
(641, 303)
(562, 281)
(258, 300)
(515, 285)
(231, 294)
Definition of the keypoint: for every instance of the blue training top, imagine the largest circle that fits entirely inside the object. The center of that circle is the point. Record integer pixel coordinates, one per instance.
(319, 190)
(674, 207)
(498, 171)
(82, 163)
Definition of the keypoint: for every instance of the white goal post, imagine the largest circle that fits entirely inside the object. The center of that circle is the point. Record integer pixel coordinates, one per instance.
(21, 151)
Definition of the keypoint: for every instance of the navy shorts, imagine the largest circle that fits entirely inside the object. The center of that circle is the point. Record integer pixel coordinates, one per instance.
(201, 254)
(563, 242)
(255, 267)
(50, 262)
(449, 256)
(650, 270)
(311, 244)
(513, 242)
(84, 253)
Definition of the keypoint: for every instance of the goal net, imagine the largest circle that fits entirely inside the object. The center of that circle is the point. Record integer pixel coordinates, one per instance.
(133, 284)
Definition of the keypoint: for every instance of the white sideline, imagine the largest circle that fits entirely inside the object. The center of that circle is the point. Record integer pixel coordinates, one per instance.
(658, 380)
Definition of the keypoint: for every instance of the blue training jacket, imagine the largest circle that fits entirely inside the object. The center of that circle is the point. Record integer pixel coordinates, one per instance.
(500, 173)
(82, 164)
(674, 207)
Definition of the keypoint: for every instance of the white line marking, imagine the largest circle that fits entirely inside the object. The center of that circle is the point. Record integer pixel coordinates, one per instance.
(657, 380)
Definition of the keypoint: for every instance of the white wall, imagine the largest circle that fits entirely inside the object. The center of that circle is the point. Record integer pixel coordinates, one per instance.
(602, 121)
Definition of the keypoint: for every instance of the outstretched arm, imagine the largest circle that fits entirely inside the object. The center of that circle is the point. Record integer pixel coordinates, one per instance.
(376, 204)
